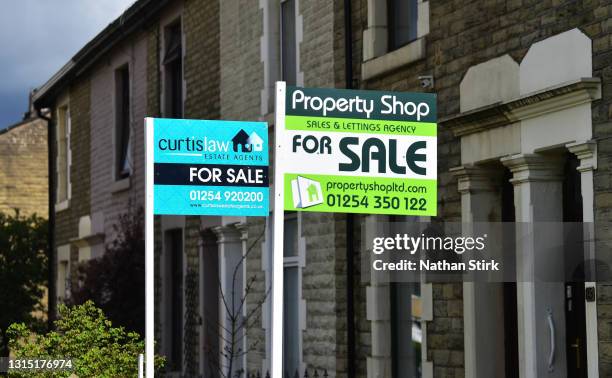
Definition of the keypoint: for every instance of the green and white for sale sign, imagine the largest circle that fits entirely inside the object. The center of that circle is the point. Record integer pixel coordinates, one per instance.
(352, 151)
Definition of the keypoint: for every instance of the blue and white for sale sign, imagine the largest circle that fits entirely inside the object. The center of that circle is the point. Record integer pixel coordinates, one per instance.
(210, 167)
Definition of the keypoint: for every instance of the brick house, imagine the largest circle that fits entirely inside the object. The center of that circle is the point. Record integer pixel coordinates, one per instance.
(524, 115)
(23, 166)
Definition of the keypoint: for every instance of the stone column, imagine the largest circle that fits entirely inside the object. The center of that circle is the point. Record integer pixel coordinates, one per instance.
(378, 311)
(586, 152)
(232, 288)
(538, 197)
(209, 303)
(243, 229)
(482, 301)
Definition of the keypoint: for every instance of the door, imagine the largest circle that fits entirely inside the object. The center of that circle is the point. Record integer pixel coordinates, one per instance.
(575, 316)
(575, 330)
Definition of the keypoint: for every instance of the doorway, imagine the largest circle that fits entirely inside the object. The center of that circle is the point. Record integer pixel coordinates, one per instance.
(511, 353)
(575, 308)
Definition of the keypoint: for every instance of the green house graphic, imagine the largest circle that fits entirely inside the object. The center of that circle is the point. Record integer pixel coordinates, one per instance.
(306, 192)
(313, 193)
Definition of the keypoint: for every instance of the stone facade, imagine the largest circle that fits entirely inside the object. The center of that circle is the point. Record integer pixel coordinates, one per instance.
(229, 68)
(24, 169)
(463, 34)
(111, 197)
(201, 70)
(78, 205)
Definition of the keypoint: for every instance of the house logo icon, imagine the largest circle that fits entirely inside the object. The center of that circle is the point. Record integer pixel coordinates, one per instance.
(243, 142)
(306, 192)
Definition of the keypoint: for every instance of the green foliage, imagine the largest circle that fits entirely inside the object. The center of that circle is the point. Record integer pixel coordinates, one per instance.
(84, 334)
(23, 271)
(115, 281)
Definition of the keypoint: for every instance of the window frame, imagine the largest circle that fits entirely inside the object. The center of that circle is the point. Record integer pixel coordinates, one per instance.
(168, 89)
(378, 58)
(397, 358)
(297, 261)
(63, 266)
(63, 123)
(413, 9)
(119, 119)
(282, 73)
(171, 236)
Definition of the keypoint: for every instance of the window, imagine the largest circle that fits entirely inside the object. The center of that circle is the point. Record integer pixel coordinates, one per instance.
(402, 22)
(510, 311)
(291, 356)
(173, 71)
(291, 299)
(174, 298)
(63, 154)
(406, 333)
(290, 247)
(288, 42)
(122, 123)
(63, 280)
(63, 283)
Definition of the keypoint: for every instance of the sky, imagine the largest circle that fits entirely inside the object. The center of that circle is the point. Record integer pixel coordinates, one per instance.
(37, 37)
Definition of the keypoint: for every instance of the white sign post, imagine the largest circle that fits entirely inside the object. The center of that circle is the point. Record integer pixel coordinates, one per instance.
(278, 231)
(183, 179)
(149, 253)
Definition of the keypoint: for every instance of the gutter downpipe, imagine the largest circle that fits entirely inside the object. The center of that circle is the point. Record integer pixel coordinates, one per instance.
(52, 290)
(350, 218)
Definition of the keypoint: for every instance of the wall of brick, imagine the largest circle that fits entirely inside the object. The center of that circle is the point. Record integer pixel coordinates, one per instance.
(153, 96)
(317, 47)
(324, 276)
(465, 33)
(242, 80)
(445, 332)
(23, 168)
(106, 200)
(257, 235)
(240, 84)
(201, 67)
(241, 70)
(67, 221)
(598, 27)
(153, 109)
(224, 77)
(201, 75)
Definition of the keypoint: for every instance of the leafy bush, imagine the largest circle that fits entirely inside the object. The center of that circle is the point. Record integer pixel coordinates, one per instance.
(84, 334)
(23, 271)
(115, 281)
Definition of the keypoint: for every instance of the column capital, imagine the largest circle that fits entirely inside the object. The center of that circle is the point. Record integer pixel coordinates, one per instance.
(227, 234)
(586, 152)
(533, 167)
(207, 238)
(472, 178)
(243, 228)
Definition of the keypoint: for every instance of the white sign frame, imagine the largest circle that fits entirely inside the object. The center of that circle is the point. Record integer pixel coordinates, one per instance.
(277, 255)
(276, 316)
(149, 253)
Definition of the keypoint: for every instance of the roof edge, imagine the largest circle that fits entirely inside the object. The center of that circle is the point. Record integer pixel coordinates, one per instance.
(134, 16)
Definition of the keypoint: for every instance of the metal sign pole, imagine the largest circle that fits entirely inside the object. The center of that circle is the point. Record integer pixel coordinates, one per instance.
(149, 252)
(278, 232)
(141, 365)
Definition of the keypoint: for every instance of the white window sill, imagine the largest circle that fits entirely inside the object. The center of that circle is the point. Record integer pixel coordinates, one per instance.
(61, 206)
(121, 185)
(393, 60)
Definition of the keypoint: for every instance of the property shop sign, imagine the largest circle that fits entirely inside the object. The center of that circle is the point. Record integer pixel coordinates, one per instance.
(210, 167)
(354, 151)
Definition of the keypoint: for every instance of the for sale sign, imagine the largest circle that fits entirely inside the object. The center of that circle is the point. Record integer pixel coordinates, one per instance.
(210, 167)
(359, 151)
